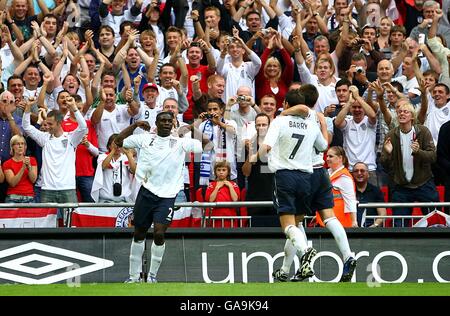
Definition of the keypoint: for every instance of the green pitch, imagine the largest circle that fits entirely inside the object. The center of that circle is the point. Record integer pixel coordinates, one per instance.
(237, 289)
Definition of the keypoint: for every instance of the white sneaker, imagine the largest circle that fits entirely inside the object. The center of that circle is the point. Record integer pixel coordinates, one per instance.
(132, 280)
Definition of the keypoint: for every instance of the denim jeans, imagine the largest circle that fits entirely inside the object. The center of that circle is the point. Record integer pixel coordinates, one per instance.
(84, 186)
(37, 194)
(59, 196)
(425, 193)
(15, 198)
(382, 176)
(447, 193)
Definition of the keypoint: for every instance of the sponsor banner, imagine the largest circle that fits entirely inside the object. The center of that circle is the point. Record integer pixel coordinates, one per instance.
(28, 218)
(123, 217)
(209, 257)
(19, 271)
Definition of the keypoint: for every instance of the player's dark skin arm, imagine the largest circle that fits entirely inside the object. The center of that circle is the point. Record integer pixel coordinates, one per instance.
(129, 130)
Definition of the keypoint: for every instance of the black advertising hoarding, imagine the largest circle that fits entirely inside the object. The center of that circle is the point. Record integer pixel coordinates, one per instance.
(200, 255)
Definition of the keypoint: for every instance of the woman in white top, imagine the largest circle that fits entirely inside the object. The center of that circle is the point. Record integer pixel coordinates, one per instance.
(113, 181)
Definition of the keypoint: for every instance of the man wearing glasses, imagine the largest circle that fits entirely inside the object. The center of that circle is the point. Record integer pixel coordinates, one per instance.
(10, 125)
(367, 193)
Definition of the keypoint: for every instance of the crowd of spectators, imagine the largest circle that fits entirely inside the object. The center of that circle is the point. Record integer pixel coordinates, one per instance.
(76, 73)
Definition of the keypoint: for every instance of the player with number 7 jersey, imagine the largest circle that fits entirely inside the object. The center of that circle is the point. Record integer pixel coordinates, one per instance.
(291, 139)
(290, 142)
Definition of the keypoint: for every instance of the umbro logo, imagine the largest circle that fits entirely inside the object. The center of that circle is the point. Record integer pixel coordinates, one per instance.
(55, 260)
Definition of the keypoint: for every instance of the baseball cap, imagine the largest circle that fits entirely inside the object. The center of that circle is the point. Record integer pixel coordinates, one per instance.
(150, 85)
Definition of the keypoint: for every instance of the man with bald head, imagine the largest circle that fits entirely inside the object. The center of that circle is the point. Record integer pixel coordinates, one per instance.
(10, 123)
(385, 72)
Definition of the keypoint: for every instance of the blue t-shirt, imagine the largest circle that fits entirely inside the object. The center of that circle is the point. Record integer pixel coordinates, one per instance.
(141, 71)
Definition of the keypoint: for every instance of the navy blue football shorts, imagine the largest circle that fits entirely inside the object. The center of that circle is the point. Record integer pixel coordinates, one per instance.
(291, 191)
(150, 208)
(321, 191)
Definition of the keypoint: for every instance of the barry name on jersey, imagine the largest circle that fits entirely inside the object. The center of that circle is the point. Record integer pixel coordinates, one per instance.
(301, 125)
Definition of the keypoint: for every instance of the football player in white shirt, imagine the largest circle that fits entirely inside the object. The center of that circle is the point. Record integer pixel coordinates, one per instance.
(290, 142)
(160, 170)
(321, 200)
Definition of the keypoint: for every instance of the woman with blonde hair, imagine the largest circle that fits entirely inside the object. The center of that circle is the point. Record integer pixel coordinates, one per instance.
(20, 173)
(272, 77)
(384, 30)
(344, 195)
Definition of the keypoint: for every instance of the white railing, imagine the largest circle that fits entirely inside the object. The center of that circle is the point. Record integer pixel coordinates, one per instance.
(210, 221)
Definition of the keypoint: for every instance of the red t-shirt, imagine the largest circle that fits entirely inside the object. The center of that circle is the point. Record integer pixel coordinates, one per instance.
(24, 186)
(83, 161)
(223, 195)
(203, 70)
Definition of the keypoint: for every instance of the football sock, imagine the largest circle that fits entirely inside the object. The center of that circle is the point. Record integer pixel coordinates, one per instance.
(296, 237)
(302, 230)
(136, 251)
(289, 254)
(157, 255)
(335, 227)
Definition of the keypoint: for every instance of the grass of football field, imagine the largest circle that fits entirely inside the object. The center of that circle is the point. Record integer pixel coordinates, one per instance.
(236, 289)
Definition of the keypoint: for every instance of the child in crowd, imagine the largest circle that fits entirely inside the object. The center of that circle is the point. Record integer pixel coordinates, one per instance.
(222, 190)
